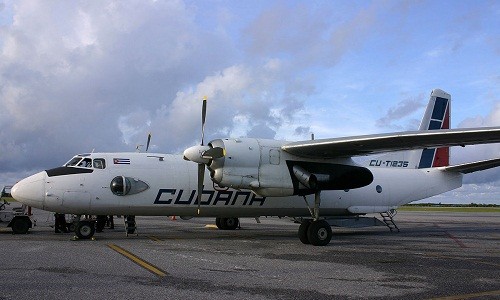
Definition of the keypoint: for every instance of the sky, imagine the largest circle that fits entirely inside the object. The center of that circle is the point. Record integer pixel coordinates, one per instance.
(81, 76)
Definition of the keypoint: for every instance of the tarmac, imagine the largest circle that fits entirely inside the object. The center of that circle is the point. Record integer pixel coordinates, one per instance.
(434, 256)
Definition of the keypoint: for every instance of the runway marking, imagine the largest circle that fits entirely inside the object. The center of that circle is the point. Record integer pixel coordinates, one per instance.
(469, 296)
(134, 258)
(154, 238)
(451, 236)
(462, 245)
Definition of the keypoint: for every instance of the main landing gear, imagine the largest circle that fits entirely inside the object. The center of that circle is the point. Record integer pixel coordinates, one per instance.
(315, 232)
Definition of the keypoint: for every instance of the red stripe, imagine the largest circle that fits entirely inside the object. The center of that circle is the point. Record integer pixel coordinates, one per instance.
(442, 155)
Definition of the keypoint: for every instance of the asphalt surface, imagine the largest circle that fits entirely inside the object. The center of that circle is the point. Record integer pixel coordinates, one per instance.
(436, 255)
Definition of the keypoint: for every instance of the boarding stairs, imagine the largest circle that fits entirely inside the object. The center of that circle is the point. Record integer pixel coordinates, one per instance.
(388, 219)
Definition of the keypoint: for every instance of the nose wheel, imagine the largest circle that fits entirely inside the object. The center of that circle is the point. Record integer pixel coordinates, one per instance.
(85, 229)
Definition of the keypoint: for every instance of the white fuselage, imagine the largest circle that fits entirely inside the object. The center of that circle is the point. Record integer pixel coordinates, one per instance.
(172, 184)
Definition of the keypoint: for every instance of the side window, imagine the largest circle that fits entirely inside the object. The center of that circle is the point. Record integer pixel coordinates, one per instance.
(99, 163)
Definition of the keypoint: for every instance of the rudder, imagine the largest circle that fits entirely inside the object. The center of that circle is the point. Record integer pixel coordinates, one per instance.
(437, 116)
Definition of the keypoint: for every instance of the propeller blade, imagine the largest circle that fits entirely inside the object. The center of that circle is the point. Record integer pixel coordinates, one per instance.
(201, 177)
(203, 117)
(149, 140)
(214, 153)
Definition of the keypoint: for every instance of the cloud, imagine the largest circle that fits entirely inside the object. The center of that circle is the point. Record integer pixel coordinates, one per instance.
(302, 130)
(101, 75)
(403, 109)
(262, 131)
(311, 35)
(81, 76)
(480, 152)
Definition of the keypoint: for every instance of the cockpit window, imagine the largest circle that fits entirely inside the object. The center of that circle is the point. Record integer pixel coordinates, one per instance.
(99, 163)
(87, 162)
(73, 162)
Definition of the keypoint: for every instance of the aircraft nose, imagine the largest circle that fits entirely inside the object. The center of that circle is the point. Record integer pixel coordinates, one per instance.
(31, 190)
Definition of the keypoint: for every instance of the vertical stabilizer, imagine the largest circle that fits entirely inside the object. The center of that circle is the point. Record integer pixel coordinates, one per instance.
(437, 116)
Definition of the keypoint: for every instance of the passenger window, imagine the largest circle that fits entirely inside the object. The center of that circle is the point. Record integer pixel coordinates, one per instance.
(99, 163)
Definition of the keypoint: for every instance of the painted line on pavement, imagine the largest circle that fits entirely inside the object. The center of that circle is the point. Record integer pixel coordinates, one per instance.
(154, 238)
(134, 258)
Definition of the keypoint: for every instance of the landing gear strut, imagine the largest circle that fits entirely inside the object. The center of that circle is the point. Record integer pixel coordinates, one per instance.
(315, 232)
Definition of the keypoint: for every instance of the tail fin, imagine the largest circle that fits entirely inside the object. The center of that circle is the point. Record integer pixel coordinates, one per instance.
(437, 116)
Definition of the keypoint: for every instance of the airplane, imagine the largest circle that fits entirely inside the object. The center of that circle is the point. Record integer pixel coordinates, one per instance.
(232, 178)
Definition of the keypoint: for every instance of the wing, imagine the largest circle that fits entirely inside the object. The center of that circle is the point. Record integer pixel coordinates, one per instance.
(474, 166)
(379, 143)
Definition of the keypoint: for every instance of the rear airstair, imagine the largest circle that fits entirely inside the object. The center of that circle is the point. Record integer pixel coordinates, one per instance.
(388, 219)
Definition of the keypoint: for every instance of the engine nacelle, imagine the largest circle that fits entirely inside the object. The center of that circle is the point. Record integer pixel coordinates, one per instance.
(261, 166)
(254, 164)
(239, 168)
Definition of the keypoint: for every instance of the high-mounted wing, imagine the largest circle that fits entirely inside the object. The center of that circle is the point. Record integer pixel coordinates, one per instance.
(389, 142)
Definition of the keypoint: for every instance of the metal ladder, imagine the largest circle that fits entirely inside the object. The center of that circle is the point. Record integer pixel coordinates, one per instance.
(388, 219)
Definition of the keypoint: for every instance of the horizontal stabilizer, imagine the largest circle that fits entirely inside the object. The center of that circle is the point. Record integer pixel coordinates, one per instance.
(474, 166)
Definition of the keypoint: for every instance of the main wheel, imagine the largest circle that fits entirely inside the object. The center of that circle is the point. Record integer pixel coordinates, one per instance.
(218, 223)
(20, 225)
(84, 230)
(319, 233)
(71, 226)
(303, 231)
(229, 223)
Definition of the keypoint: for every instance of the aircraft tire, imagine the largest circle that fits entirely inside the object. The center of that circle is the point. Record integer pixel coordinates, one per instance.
(84, 230)
(303, 231)
(319, 233)
(20, 226)
(71, 226)
(229, 223)
(218, 223)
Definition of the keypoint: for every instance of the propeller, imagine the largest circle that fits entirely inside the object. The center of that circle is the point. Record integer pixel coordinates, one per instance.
(201, 166)
(203, 154)
(149, 141)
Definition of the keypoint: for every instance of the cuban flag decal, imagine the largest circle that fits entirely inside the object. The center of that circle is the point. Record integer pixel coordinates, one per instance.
(121, 161)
